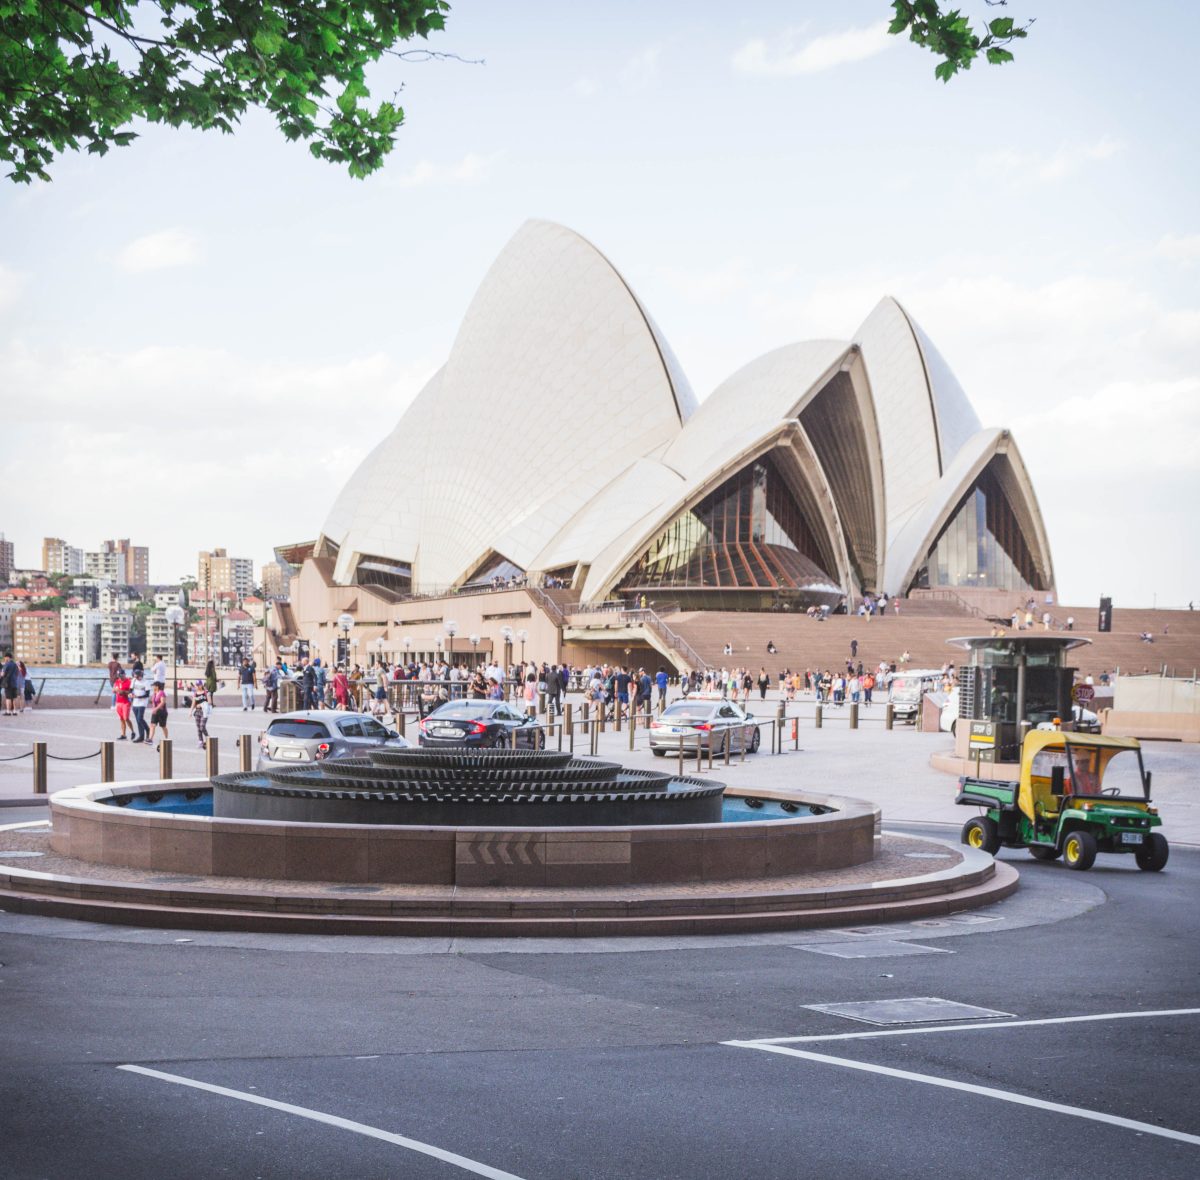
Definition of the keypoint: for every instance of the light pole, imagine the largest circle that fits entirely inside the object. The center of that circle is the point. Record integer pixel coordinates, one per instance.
(451, 628)
(522, 635)
(407, 651)
(379, 651)
(506, 633)
(175, 616)
(474, 650)
(345, 621)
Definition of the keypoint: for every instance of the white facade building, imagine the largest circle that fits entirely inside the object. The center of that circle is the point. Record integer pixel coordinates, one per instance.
(823, 469)
(81, 636)
(116, 627)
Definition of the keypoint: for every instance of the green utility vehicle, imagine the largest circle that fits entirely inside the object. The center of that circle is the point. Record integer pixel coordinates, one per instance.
(1078, 794)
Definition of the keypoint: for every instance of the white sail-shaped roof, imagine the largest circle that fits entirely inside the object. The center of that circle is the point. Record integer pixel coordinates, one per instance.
(561, 431)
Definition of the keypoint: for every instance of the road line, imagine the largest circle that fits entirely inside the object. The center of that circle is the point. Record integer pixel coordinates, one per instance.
(914, 1031)
(332, 1120)
(968, 1088)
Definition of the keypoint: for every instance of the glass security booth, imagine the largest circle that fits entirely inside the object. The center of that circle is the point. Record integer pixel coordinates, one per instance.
(1012, 680)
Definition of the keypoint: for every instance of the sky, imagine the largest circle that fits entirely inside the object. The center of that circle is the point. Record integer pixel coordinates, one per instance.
(201, 336)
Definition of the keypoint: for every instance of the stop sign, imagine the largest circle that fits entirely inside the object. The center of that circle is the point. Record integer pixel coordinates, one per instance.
(1084, 693)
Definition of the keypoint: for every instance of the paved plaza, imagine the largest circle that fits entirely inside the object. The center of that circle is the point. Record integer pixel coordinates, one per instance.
(140, 1053)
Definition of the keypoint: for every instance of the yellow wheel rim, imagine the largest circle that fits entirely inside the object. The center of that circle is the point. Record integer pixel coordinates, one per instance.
(975, 838)
(1071, 851)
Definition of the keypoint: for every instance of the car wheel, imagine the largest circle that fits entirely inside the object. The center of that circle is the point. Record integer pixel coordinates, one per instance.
(657, 752)
(755, 742)
(1152, 856)
(982, 833)
(1079, 850)
(1044, 852)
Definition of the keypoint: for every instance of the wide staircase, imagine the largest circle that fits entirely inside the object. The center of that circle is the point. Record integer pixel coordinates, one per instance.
(922, 628)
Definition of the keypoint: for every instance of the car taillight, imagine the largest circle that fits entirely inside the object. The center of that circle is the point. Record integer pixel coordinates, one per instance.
(478, 727)
(263, 744)
(704, 725)
(656, 725)
(322, 750)
(424, 726)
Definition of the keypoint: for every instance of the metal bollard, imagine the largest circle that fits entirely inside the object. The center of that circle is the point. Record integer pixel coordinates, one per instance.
(796, 733)
(780, 721)
(514, 738)
(166, 767)
(632, 728)
(541, 703)
(819, 717)
(212, 751)
(853, 714)
(244, 747)
(700, 754)
(681, 755)
(39, 768)
(400, 722)
(569, 722)
(724, 746)
(595, 730)
(888, 716)
(618, 715)
(107, 768)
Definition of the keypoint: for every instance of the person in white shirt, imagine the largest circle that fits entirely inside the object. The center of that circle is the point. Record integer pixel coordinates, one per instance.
(159, 671)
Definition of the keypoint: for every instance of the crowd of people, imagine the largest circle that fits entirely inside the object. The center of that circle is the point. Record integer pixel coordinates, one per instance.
(16, 686)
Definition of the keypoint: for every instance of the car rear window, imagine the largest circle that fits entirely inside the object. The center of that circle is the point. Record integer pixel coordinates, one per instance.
(297, 727)
(464, 710)
(689, 712)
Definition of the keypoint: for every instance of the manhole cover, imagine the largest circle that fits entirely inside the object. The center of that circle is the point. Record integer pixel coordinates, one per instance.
(914, 1010)
(872, 948)
(18, 853)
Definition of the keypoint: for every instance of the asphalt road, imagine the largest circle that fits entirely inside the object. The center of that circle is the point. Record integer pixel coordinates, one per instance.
(564, 1061)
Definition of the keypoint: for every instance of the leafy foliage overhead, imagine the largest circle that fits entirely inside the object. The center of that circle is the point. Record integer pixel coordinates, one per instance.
(77, 74)
(951, 36)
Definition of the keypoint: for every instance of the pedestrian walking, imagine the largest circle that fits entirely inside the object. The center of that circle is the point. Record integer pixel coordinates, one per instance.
(114, 670)
(764, 682)
(201, 712)
(660, 680)
(8, 684)
(271, 685)
(210, 682)
(27, 685)
(140, 698)
(158, 711)
(123, 696)
(248, 680)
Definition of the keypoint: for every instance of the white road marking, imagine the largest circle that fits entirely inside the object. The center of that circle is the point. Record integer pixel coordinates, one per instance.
(317, 1116)
(968, 1088)
(914, 1031)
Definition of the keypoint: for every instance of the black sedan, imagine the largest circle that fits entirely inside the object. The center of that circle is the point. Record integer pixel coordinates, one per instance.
(483, 724)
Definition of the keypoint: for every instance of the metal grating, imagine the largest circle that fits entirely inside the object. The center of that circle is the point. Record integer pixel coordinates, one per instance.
(912, 1010)
(870, 948)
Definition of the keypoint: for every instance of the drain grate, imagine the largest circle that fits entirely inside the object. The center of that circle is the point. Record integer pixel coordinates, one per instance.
(870, 948)
(913, 1010)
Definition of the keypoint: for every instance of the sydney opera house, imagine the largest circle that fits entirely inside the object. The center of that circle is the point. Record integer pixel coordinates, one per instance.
(561, 442)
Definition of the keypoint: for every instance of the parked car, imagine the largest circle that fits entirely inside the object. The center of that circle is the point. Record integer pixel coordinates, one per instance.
(481, 724)
(318, 735)
(705, 722)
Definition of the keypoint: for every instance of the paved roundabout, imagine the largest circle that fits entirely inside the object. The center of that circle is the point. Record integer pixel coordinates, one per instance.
(138, 1052)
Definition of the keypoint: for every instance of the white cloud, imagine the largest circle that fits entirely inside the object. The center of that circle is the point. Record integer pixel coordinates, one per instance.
(789, 56)
(158, 251)
(640, 70)
(471, 169)
(1183, 248)
(10, 286)
(1031, 166)
(584, 87)
(211, 442)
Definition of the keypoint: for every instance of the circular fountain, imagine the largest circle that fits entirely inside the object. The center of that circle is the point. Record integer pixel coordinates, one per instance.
(494, 788)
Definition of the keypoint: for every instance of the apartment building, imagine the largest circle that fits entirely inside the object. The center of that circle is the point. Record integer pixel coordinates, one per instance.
(60, 558)
(116, 629)
(104, 565)
(276, 579)
(81, 627)
(7, 610)
(217, 571)
(37, 636)
(169, 596)
(7, 561)
(159, 637)
(119, 562)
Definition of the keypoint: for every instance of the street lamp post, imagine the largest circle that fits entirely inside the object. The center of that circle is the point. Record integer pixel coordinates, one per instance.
(175, 616)
(345, 621)
(506, 633)
(474, 650)
(451, 628)
(407, 641)
(522, 635)
(379, 651)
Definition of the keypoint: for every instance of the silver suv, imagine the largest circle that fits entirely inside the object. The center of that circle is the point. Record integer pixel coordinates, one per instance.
(318, 735)
(705, 722)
